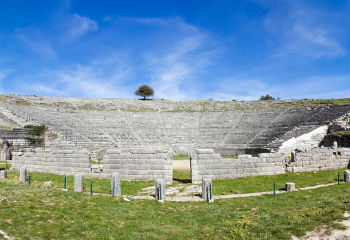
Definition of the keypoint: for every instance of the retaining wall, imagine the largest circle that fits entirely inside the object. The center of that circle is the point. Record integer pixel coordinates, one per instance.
(57, 161)
(206, 163)
(319, 159)
(15, 137)
(148, 164)
(140, 164)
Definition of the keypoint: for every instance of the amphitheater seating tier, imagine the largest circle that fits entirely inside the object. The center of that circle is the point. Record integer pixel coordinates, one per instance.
(227, 132)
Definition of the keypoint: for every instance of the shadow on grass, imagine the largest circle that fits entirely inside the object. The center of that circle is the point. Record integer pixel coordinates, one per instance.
(182, 180)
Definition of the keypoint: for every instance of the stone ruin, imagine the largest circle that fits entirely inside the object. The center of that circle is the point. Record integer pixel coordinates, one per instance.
(138, 139)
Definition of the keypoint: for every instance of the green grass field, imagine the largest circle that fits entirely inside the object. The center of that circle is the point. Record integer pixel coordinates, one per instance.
(99, 185)
(36, 212)
(3, 165)
(265, 183)
(220, 187)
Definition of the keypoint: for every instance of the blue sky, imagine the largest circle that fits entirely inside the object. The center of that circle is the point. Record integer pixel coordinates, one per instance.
(205, 49)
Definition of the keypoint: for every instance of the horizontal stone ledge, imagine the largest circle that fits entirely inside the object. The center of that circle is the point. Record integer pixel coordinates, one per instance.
(142, 151)
(204, 151)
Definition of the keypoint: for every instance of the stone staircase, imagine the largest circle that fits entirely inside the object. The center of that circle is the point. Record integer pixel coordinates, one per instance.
(305, 127)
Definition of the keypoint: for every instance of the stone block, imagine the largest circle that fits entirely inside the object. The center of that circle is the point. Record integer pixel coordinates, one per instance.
(78, 183)
(207, 191)
(215, 156)
(113, 151)
(347, 176)
(23, 175)
(160, 190)
(48, 184)
(290, 186)
(115, 185)
(142, 151)
(3, 174)
(204, 151)
(264, 155)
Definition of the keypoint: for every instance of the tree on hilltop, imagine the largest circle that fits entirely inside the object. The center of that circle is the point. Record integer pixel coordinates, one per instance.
(266, 97)
(145, 91)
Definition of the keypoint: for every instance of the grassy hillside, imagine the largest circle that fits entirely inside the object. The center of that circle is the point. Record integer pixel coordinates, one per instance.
(135, 105)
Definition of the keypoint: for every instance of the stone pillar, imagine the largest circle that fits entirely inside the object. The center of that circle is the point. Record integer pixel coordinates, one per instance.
(4, 152)
(23, 175)
(335, 144)
(3, 155)
(160, 190)
(3, 174)
(347, 176)
(78, 183)
(207, 190)
(290, 186)
(115, 185)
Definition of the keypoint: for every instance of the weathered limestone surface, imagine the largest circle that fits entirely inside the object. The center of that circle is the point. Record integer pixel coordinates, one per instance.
(207, 189)
(319, 159)
(3, 174)
(346, 176)
(23, 174)
(78, 183)
(290, 186)
(227, 127)
(305, 141)
(16, 137)
(57, 161)
(140, 164)
(206, 163)
(160, 190)
(115, 185)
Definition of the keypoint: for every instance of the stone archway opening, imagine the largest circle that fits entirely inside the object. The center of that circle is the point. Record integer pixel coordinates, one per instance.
(181, 166)
(96, 162)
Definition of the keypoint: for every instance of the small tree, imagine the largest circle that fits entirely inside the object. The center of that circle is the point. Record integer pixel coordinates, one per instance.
(144, 91)
(267, 97)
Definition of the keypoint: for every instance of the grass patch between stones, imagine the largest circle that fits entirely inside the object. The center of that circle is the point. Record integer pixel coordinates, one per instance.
(100, 185)
(265, 183)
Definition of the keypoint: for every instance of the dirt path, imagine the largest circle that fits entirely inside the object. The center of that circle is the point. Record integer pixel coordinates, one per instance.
(195, 192)
(323, 233)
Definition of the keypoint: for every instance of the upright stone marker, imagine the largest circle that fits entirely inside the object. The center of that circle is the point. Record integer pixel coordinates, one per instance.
(290, 186)
(23, 175)
(78, 183)
(346, 176)
(115, 185)
(48, 184)
(160, 190)
(3, 174)
(207, 190)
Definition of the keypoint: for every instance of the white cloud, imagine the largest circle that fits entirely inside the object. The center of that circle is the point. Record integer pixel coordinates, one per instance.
(242, 89)
(3, 75)
(78, 26)
(314, 87)
(84, 81)
(175, 67)
(302, 30)
(147, 21)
